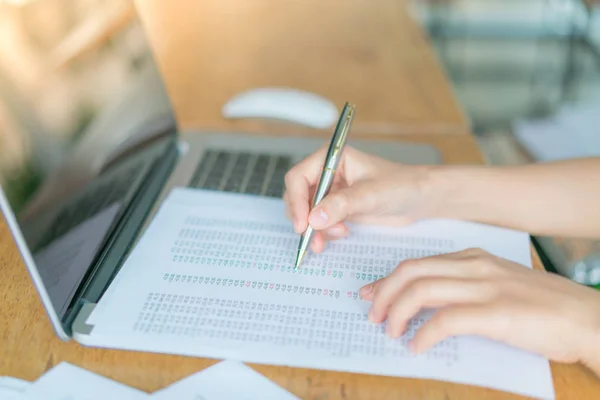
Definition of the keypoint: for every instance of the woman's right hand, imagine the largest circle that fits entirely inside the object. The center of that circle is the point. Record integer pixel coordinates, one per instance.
(366, 189)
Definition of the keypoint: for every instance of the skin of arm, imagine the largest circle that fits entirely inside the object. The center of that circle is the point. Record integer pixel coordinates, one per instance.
(476, 292)
(552, 199)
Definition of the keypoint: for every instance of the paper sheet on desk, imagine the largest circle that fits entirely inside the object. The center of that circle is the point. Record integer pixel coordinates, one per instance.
(225, 380)
(213, 277)
(68, 382)
(8, 383)
(13, 388)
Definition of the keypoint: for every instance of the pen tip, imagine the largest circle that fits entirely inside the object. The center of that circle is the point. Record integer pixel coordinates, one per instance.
(299, 258)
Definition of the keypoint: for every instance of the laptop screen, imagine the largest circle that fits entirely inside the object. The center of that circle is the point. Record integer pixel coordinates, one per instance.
(77, 95)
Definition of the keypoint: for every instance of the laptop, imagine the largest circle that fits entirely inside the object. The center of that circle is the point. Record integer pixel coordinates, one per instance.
(77, 196)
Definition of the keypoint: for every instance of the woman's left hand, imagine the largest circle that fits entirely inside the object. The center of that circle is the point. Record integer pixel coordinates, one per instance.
(481, 294)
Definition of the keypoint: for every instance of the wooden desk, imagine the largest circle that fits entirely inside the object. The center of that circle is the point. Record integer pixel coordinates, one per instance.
(28, 346)
(368, 52)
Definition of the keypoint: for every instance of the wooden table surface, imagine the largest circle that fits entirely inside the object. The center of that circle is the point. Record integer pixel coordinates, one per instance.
(29, 347)
(368, 52)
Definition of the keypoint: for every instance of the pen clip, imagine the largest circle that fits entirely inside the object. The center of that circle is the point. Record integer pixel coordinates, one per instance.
(340, 135)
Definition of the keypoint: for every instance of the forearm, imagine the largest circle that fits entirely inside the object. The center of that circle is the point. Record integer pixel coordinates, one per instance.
(555, 199)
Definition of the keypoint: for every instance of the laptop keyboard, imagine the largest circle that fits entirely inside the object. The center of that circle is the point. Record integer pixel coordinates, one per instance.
(239, 172)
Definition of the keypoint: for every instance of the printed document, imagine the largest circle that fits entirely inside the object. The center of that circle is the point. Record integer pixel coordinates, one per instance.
(213, 276)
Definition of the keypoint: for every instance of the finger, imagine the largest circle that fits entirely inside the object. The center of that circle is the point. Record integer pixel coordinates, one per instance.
(409, 267)
(433, 293)
(460, 320)
(317, 244)
(407, 270)
(297, 188)
(298, 182)
(426, 266)
(320, 239)
(457, 255)
(367, 292)
(475, 262)
(286, 201)
(341, 204)
(338, 231)
(465, 254)
(388, 289)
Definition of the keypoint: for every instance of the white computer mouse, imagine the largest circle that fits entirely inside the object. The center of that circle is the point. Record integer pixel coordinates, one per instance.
(286, 104)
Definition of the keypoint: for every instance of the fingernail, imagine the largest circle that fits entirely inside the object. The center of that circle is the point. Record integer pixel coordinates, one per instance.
(412, 346)
(371, 315)
(318, 218)
(365, 290)
(389, 332)
(337, 232)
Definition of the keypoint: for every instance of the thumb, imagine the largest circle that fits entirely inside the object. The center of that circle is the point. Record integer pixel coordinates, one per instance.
(339, 205)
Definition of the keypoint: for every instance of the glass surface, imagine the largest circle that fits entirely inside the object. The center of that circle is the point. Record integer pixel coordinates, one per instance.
(64, 66)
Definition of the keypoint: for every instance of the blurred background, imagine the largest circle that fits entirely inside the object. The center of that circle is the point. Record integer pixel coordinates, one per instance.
(62, 63)
(526, 72)
(514, 61)
(528, 75)
(88, 50)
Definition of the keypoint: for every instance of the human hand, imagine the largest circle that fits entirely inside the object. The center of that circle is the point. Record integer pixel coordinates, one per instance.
(366, 189)
(481, 294)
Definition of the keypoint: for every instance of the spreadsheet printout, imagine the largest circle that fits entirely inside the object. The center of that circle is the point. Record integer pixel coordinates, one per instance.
(213, 276)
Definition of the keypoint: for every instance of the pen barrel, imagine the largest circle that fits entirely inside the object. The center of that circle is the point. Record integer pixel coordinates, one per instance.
(324, 185)
(306, 239)
(332, 162)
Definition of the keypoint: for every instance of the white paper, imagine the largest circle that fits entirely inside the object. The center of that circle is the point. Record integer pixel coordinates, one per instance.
(13, 384)
(213, 277)
(12, 388)
(68, 382)
(6, 394)
(225, 380)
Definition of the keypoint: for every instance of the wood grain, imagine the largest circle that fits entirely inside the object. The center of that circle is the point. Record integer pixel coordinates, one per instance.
(367, 52)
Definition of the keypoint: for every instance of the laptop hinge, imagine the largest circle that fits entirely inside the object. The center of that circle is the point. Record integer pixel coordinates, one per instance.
(114, 255)
(79, 324)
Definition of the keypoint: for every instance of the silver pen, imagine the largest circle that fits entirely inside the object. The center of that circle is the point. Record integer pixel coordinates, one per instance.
(332, 160)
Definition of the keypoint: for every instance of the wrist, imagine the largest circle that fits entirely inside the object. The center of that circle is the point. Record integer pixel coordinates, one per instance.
(464, 193)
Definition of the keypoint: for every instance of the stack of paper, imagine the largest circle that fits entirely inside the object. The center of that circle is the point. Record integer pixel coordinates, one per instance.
(68, 382)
